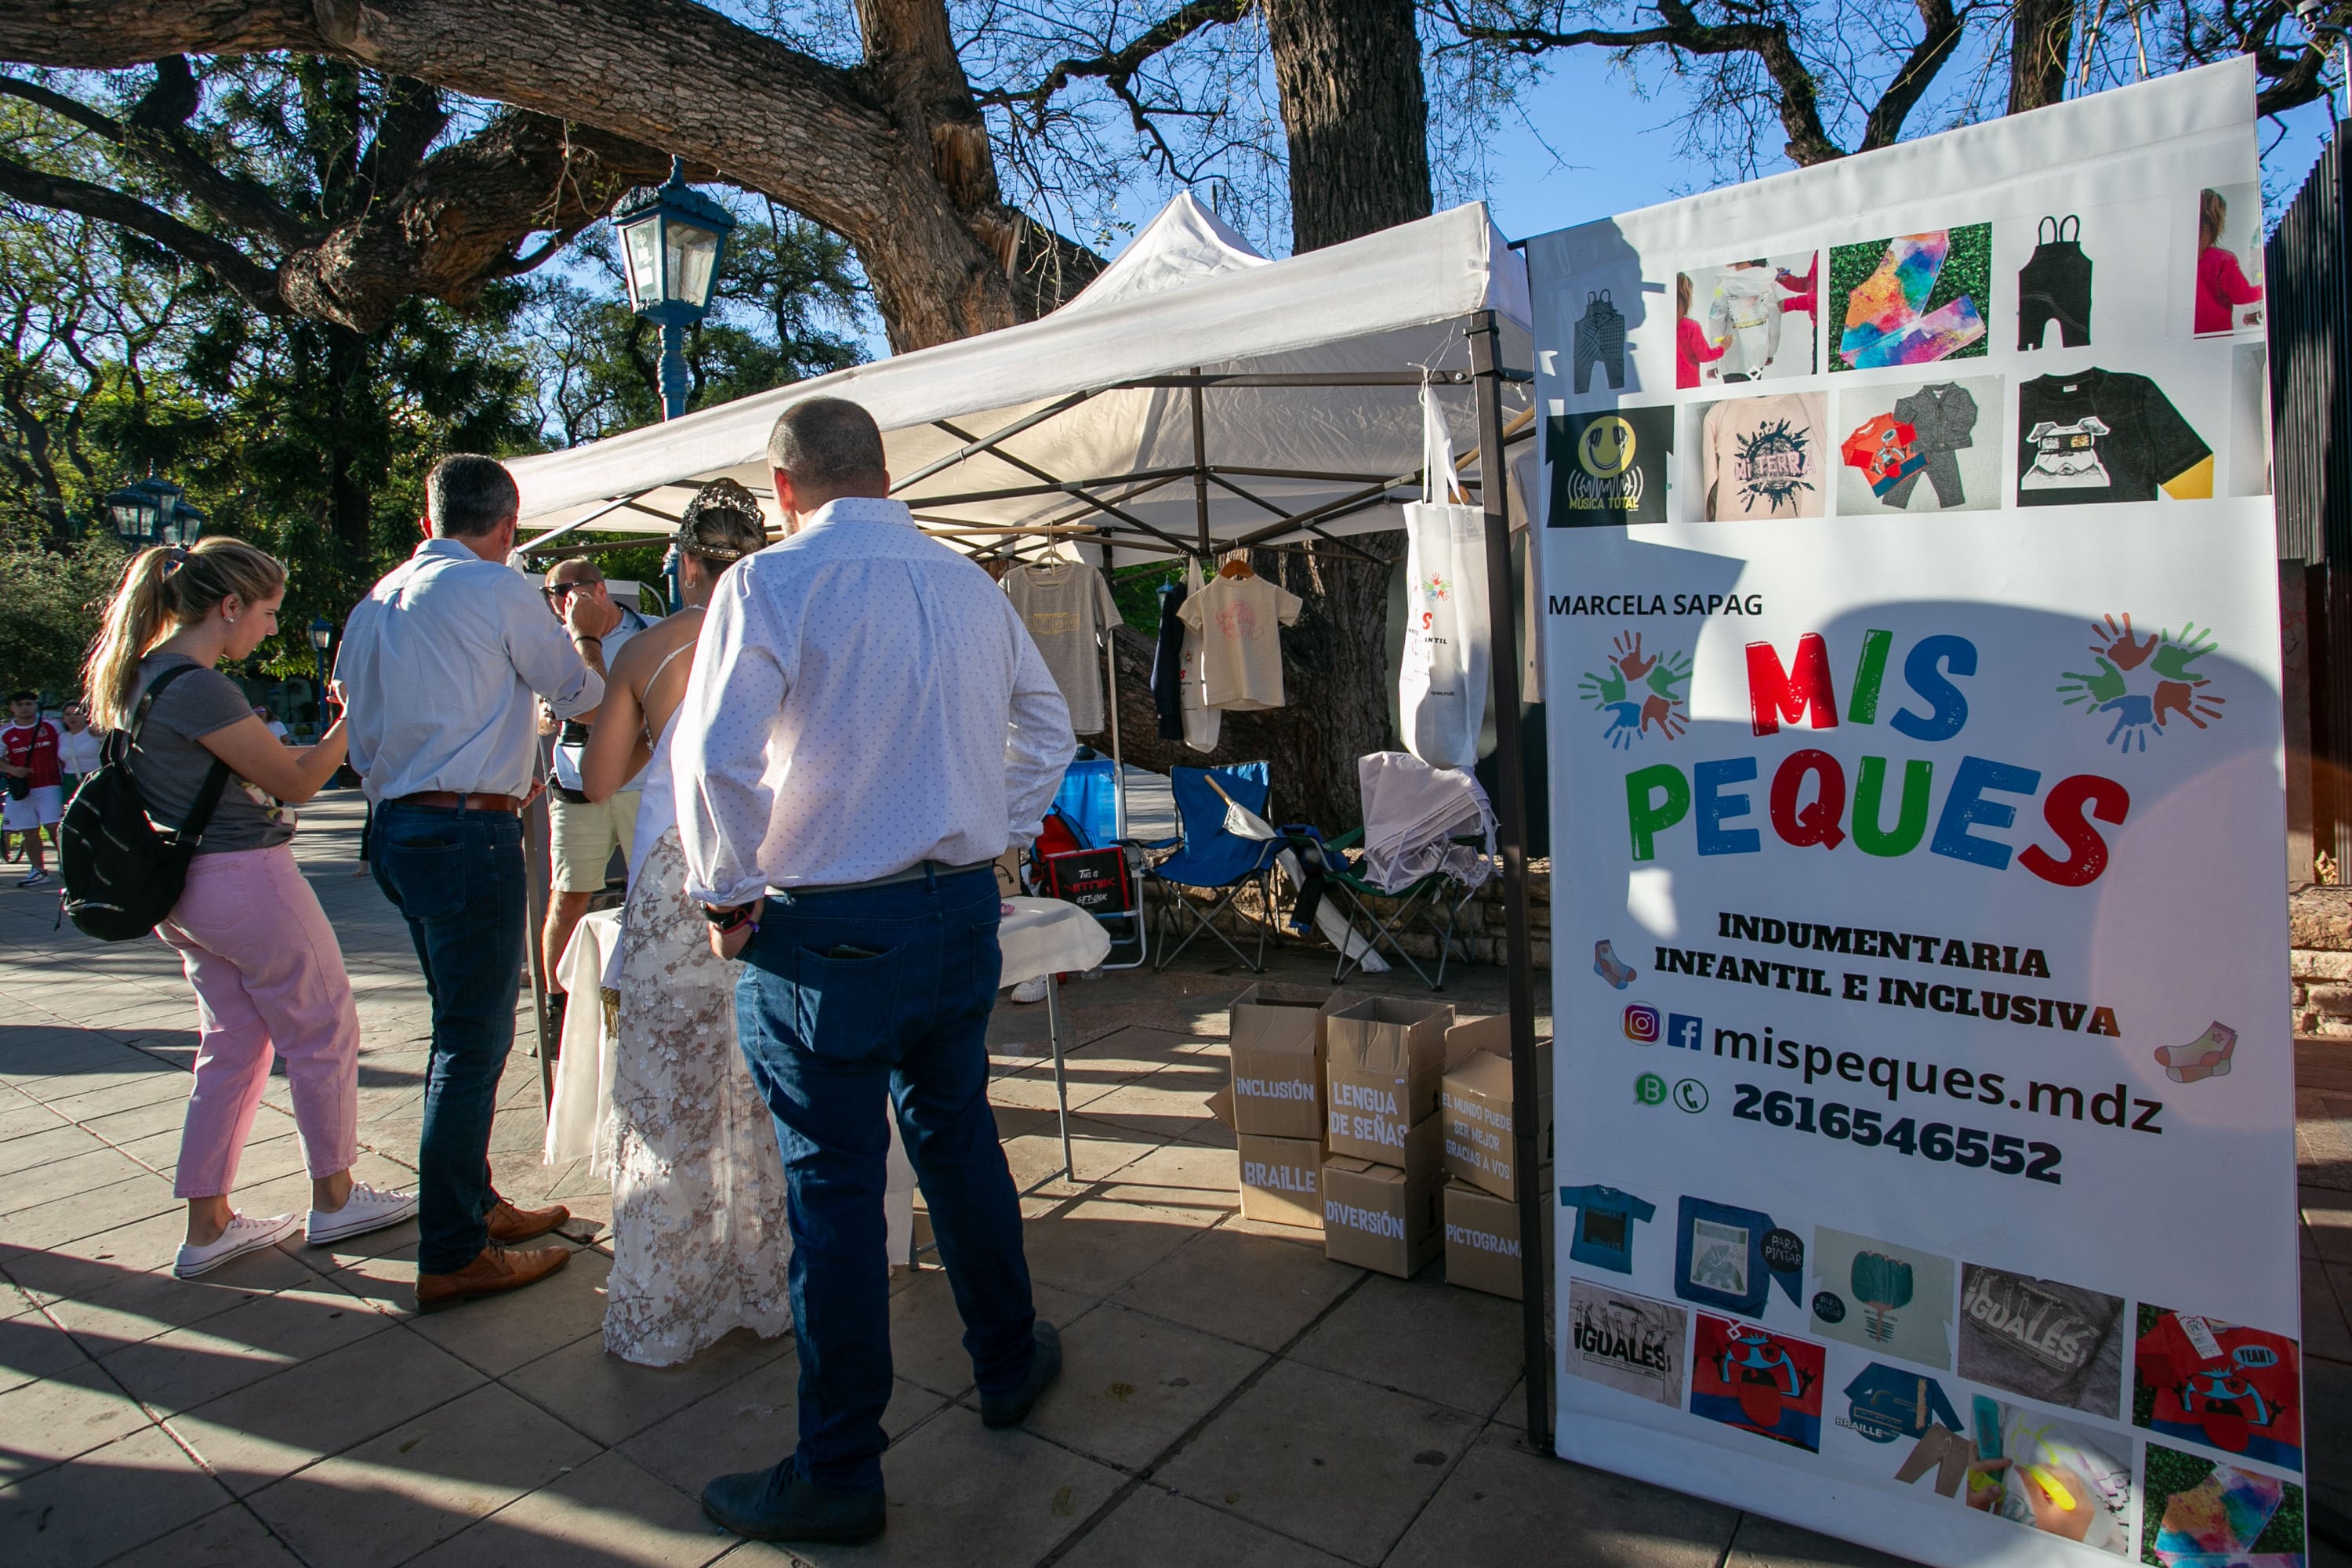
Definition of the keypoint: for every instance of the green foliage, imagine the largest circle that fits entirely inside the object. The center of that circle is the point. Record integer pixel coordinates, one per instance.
(1136, 590)
(51, 603)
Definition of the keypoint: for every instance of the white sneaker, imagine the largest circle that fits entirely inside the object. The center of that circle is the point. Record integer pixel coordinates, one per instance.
(35, 881)
(368, 1208)
(243, 1235)
(1030, 990)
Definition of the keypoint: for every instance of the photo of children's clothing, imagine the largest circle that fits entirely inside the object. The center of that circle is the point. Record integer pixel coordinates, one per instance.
(1605, 1218)
(1885, 1403)
(2201, 1380)
(1729, 1258)
(1747, 320)
(2196, 1513)
(1762, 458)
(2105, 436)
(2249, 420)
(1626, 1341)
(1911, 299)
(2050, 1474)
(1883, 1297)
(1600, 339)
(1910, 447)
(2054, 285)
(2229, 259)
(1760, 1381)
(2048, 1341)
(1611, 467)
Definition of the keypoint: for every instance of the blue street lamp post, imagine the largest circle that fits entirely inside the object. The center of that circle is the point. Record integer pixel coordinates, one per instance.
(672, 238)
(321, 633)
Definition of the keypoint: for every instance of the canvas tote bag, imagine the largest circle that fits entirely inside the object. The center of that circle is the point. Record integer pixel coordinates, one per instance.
(1442, 688)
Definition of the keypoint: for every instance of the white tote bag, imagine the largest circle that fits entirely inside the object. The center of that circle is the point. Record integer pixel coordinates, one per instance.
(1447, 639)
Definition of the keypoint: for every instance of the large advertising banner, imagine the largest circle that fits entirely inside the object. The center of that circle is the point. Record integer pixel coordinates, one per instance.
(1926, 1151)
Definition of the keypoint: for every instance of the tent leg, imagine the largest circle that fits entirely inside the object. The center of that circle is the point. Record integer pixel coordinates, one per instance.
(1511, 817)
(535, 895)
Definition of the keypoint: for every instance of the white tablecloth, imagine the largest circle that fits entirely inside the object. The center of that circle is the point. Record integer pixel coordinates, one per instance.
(1046, 936)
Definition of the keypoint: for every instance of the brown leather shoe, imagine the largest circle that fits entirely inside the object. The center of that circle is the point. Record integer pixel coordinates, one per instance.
(494, 1271)
(509, 1224)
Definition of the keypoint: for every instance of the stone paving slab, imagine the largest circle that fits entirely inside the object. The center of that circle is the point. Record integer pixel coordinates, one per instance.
(1231, 1397)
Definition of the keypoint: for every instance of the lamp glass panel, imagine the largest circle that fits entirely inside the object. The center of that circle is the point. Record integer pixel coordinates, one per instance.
(641, 252)
(693, 263)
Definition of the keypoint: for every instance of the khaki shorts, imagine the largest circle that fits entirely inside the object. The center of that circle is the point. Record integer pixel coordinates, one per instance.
(584, 834)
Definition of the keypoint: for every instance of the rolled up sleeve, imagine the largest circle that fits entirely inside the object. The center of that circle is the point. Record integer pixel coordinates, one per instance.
(542, 654)
(718, 754)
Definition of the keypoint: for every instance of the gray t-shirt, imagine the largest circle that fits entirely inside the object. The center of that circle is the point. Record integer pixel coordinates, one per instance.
(1065, 606)
(170, 766)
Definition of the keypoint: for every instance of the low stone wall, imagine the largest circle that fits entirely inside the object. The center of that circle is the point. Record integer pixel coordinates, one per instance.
(2319, 926)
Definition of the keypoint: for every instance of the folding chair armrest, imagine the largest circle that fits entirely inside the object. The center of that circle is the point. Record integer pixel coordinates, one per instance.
(1347, 840)
(1155, 843)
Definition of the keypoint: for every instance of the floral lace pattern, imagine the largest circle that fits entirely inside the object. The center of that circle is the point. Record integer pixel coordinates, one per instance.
(700, 1242)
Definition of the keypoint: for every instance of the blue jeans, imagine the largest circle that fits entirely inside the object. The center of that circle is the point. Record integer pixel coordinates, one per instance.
(849, 1002)
(457, 877)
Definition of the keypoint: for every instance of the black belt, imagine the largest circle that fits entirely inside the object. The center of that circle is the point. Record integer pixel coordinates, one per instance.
(921, 870)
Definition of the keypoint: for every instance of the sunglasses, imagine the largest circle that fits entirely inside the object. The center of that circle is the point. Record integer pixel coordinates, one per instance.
(555, 591)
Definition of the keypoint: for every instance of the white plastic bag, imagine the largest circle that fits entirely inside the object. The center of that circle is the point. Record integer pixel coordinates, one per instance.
(1442, 688)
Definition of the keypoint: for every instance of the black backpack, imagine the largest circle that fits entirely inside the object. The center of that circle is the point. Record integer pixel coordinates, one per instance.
(124, 869)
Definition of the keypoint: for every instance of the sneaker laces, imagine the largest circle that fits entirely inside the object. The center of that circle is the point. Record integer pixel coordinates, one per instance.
(368, 1192)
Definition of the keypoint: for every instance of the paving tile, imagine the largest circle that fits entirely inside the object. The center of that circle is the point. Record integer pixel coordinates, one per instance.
(263, 1158)
(607, 1511)
(84, 1170)
(2325, 1329)
(59, 1140)
(1506, 1503)
(49, 1422)
(1422, 1337)
(752, 1423)
(274, 1428)
(1763, 1542)
(122, 1128)
(610, 1400)
(104, 1503)
(261, 1338)
(227, 1537)
(503, 1332)
(1185, 1166)
(127, 1308)
(420, 1483)
(2326, 1214)
(128, 1092)
(1253, 1289)
(98, 1261)
(21, 1118)
(1155, 1527)
(1170, 1103)
(1132, 1385)
(1091, 1248)
(32, 1347)
(92, 1213)
(1339, 1464)
(927, 1334)
(962, 1494)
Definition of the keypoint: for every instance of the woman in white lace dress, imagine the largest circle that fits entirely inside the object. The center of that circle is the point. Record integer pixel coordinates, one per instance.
(700, 1244)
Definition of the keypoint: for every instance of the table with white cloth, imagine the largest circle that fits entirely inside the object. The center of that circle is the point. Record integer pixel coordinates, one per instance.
(1039, 938)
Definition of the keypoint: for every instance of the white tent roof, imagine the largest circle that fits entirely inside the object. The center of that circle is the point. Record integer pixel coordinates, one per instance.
(1186, 293)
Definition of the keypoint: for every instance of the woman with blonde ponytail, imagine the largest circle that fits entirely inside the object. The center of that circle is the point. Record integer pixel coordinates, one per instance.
(267, 973)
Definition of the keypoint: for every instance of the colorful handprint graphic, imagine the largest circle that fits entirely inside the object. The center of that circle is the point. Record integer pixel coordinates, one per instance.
(2143, 682)
(1641, 693)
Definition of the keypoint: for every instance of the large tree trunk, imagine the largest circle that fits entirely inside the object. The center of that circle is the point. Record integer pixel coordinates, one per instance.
(2041, 38)
(1356, 113)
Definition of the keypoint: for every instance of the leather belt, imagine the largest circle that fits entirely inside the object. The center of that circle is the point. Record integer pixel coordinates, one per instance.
(916, 872)
(452, 800)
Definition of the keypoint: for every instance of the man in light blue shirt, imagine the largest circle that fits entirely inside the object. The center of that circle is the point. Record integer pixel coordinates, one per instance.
(439, 665)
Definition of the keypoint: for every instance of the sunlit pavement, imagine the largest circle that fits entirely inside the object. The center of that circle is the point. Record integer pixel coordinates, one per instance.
(1231, 1397)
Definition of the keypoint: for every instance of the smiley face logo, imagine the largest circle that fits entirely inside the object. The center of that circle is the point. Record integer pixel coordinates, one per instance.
(1605, 450)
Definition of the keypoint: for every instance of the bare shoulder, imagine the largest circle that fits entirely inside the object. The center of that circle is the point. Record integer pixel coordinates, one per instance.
(642, 653)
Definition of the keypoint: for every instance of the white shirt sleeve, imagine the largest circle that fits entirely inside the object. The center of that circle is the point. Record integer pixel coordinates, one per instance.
(718, 757)
(540, 651)
(1039, 742)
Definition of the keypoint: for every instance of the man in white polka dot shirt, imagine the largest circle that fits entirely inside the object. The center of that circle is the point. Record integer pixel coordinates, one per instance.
(867, 729)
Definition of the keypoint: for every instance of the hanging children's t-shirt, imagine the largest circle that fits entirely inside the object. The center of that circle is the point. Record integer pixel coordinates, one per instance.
(1239, 620)
(1067, 606)
(2103, 436)
(2232, 1388)
(1763, 458)
(1605, 1218)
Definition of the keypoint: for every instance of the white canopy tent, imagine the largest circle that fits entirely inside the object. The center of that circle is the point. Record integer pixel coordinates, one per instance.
(1195, 391)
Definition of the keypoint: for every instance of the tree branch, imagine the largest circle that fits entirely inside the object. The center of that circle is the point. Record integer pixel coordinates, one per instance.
(1941, 31)
(1117, 67)
(251, 282)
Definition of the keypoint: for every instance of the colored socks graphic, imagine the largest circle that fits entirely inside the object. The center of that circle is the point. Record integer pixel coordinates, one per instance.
(2207, 1056)
(1610, 967)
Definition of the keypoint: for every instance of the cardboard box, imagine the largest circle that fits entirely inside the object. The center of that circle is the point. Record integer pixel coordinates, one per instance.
(1279, 1038)
(1482, 1239)
(1281, 1179)
(1387, 1061)
(1380, 1217)
(1475, 1102)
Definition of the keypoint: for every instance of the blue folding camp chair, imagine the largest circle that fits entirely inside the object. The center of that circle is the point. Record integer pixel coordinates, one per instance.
(1211, 859)
(1087, 802)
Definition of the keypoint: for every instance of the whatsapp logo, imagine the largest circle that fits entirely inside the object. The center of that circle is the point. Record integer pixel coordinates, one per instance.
(1650, 1088)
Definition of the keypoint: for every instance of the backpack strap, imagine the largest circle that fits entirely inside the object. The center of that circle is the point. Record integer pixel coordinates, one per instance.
(208, 794)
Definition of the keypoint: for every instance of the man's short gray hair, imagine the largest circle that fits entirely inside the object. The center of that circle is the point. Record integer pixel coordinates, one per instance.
(467, 495)
(828, 443)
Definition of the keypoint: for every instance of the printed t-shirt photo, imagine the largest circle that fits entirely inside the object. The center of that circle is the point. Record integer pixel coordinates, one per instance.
(1605, 1218)
(1757, 1381)
(1626, 1341)
(1763, 458)
(2048, 1341)
(1883, 1296)
(1241, 646)
(2105, 436)
(2230, 1387)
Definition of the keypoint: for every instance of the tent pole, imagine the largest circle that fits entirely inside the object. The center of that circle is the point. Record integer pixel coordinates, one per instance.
(1199, 466)
(1511, 817)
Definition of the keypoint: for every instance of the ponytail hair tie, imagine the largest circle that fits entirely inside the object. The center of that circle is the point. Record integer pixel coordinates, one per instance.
(175, 557)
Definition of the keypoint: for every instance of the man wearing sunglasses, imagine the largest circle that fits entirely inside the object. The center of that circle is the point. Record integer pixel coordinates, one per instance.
(584, 832)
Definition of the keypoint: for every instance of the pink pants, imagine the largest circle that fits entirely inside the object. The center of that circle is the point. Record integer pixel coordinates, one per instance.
(268, 976)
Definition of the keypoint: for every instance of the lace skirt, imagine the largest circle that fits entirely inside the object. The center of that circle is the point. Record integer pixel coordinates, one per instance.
(700, 1242)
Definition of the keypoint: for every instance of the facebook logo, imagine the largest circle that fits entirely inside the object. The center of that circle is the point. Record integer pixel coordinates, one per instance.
(1682, 1029)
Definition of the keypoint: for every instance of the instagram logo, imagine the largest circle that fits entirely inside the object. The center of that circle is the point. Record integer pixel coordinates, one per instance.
(1642, 1023)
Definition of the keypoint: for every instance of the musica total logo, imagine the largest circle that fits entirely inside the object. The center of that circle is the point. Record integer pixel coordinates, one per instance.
(1610, 467)
(1642, 1023)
